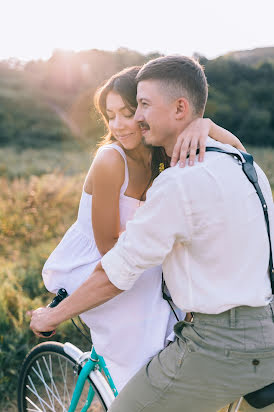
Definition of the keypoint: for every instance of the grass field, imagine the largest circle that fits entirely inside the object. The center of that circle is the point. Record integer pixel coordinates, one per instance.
(40, 191)
(36, 162)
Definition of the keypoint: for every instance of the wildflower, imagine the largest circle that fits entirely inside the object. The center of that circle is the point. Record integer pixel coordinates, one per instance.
(161, 167)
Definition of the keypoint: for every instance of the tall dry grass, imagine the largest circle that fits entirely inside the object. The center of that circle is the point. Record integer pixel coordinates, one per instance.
(265, 159)
(66, 159)
(34, 214)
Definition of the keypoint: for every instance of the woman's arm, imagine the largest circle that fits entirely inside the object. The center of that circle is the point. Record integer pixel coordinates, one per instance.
(106, 178)
(224, 136)
(195, 135)
(104, 182)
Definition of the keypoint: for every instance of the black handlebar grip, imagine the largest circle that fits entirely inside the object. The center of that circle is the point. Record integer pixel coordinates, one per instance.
(61, 295)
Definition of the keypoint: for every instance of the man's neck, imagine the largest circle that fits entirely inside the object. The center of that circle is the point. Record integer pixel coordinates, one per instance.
(172, 139)
(169, 146)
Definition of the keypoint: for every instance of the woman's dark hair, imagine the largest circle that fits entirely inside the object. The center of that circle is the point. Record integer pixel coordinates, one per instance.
(124, 83)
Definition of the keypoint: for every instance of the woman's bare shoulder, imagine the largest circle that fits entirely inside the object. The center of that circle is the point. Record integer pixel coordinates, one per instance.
(108, 163)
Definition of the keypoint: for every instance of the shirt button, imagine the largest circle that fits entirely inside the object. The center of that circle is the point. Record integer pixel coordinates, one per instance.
(255, 362)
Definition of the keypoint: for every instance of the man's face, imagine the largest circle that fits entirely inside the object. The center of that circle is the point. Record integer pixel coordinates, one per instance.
(155, 113)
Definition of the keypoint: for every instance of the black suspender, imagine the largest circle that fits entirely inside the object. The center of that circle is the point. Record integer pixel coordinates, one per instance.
(250, 172)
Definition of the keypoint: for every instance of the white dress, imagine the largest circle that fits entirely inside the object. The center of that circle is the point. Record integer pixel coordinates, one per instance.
(132, 327)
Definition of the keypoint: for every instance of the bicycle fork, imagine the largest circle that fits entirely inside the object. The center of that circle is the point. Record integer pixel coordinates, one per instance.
(85, 371)
(92, 367)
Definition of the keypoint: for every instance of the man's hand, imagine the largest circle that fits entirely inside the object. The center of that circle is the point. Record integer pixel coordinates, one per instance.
(95, 291)
(42, 320)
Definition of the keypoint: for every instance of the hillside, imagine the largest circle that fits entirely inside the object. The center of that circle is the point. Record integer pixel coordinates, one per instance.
(26, 118)
(254, 56)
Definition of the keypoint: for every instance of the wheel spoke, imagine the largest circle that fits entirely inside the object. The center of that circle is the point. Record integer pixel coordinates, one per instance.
(33, 404)
(50, 366)
(66, 391)
(34, 391)
(57, 397)
(32, 410)
(43, 381)
(47, 388)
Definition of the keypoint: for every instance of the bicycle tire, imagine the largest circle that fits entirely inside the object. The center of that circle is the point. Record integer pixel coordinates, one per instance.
(47, 380)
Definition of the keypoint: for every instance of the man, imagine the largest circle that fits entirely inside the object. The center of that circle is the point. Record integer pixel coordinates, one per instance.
(207, 228)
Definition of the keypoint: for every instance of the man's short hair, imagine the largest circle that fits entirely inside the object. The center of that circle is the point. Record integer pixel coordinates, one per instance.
(180, 76)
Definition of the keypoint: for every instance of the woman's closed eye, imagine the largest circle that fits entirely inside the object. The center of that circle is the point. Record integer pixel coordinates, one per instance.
(126, 116)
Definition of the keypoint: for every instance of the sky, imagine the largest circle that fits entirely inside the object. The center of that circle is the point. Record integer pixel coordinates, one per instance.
(32, 29)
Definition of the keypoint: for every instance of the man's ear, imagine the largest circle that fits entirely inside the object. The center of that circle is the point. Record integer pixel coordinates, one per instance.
(182, 108)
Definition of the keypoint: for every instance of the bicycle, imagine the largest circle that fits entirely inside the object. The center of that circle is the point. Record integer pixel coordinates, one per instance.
(59, 377)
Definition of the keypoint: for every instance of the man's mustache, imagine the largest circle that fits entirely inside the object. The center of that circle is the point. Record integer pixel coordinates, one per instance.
(144, 125)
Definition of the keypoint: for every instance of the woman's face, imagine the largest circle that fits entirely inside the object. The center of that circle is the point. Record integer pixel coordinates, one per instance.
(121, 122)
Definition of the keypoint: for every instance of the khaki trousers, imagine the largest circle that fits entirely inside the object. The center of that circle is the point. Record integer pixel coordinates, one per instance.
(215, 360)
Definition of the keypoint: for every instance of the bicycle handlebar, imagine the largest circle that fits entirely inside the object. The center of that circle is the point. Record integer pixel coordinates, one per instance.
(61, 295)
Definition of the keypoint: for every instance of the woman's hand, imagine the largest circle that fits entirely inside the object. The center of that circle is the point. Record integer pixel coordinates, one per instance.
(194, 136)
(42, 320)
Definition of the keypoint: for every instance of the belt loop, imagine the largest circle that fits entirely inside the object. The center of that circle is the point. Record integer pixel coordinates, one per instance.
(232, 317)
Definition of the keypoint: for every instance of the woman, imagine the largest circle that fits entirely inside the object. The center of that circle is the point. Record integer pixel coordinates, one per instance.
(131, 328)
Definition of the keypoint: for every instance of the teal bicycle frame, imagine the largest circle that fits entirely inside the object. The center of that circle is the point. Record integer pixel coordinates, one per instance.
(94, 362)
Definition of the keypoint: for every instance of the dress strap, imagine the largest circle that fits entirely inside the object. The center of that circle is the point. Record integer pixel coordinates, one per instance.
(122, 153)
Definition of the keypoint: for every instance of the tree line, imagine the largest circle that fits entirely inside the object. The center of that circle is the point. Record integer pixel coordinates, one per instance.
(241, 96)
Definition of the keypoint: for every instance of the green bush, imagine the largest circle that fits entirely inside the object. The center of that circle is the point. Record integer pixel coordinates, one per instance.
(241, 99)
(26, 118)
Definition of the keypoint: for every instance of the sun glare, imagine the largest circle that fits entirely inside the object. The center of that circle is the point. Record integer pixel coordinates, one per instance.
(39, 27)
(34, 28)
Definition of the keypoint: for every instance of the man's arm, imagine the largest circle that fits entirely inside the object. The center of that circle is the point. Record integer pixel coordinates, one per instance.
(93, 292)
(166, 217)
(148, 239)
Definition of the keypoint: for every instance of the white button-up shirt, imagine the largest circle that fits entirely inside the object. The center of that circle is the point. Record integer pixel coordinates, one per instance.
(205, 225)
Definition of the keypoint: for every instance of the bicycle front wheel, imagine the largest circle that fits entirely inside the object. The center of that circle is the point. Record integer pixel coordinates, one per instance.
(47, 381)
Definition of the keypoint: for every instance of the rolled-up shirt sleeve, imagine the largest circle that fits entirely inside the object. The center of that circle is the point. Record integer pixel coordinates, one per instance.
(150, 236)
